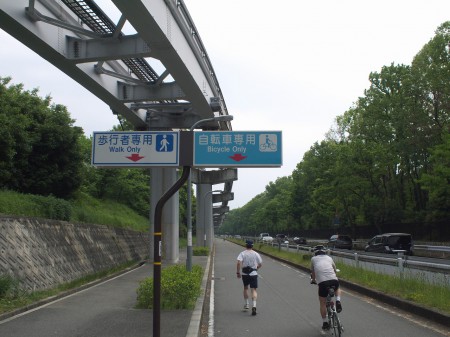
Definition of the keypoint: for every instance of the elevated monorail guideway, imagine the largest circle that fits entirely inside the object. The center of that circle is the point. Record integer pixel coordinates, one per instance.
(77, 37)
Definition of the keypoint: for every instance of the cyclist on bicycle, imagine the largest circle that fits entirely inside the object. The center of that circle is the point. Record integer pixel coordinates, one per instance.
(323, 272)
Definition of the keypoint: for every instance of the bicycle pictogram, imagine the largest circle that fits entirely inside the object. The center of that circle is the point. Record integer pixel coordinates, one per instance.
(268, 143)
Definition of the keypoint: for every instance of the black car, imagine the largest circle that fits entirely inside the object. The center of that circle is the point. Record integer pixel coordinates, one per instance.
(340, 241)
(300, 241)
(391, 243)
(281, 238)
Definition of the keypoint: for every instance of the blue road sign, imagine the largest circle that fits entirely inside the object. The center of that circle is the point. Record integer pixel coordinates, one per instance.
(135, 149)
(237, 149)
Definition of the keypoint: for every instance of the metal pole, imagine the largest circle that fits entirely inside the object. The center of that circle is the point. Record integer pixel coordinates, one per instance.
(158, 249)
(189, 225)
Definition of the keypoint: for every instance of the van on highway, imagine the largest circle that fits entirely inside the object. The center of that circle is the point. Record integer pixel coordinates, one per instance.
(391, 243)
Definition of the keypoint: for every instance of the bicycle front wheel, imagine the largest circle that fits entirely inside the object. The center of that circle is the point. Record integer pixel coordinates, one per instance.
(336, 325)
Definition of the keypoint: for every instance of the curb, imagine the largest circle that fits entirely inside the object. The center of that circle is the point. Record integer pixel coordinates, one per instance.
(196, 318)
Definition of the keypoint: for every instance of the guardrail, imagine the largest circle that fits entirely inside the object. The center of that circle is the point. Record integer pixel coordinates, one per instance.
(400, 264)
(443, 249)
(401, 260)
(428, 248)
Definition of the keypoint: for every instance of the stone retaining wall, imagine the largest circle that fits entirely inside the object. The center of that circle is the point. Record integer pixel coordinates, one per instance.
(44, 253)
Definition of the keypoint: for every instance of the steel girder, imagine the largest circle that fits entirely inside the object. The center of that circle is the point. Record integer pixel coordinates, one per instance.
(77, 37)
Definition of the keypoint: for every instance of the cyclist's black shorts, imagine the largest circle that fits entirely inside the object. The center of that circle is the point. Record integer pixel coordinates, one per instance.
(323, 287)
(250, 280)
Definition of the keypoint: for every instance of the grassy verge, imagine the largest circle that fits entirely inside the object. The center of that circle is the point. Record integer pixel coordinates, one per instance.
(412, 289)
(83, 208)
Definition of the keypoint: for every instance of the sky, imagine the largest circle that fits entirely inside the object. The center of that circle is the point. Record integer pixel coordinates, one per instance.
(290, 66)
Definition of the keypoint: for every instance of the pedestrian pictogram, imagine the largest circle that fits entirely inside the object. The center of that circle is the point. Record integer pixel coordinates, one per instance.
(165, 143)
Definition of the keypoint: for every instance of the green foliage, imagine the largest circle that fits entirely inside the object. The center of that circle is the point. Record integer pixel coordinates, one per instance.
(267, 212)
(200, 251)
(91, 210)
(53, 208)
(39, 144)
(82, 208)
(437, 180)
(34, 205)
(128, 186)
(8, 286)
(179, 288)
(384, 161)
(44, 154)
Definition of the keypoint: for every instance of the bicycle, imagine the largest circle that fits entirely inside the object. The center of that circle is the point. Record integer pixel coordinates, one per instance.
(333, 319)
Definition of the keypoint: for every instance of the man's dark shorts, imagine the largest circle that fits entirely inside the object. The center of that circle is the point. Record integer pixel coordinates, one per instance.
(250, 280)
(323, 287)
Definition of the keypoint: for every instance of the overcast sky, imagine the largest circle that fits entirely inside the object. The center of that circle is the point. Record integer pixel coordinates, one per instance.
(289, 66)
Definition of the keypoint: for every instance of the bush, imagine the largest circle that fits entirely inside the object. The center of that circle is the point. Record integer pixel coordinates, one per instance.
(8, 286)
(179, 288)
(200, 251)
(54, 208)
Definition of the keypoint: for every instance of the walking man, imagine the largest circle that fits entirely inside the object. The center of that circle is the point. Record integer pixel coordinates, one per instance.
(250, 261)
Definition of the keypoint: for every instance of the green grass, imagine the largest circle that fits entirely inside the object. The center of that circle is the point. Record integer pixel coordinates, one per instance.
(14, 203)
(83, 208)
(415, 289)
(90, 210)
(412, 289)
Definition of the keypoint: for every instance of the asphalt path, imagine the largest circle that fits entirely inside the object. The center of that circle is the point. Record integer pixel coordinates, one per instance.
(105, 310)
(288, 305)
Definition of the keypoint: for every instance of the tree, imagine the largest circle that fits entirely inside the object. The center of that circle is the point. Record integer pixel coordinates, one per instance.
(437, 181)
(41, 152)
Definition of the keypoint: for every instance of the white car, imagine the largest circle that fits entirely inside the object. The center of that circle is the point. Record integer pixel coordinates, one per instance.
(267, 239)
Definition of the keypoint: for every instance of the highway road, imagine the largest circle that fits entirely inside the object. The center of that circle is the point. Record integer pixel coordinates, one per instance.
(288, 305)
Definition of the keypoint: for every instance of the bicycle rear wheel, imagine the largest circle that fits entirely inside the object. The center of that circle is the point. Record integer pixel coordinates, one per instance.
(336, 325)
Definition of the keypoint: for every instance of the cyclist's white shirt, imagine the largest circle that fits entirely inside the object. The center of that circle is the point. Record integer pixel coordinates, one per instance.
(322, 265)
(250, 258)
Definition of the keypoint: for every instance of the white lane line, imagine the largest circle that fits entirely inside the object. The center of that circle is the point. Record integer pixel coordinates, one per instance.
(65, 297)
(211, 304)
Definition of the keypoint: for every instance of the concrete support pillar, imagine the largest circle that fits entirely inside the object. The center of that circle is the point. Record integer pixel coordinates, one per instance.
(209, 219)
(205, 198)
(204, 215)
(162, 179)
